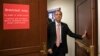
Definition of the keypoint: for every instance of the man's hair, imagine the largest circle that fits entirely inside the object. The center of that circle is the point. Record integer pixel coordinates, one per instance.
(58, 11)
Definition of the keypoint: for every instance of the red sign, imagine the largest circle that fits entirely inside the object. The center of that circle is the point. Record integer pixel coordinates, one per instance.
(15, 16)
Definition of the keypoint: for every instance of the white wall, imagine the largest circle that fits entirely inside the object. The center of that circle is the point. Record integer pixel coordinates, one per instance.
(67, 8)
(99, 26)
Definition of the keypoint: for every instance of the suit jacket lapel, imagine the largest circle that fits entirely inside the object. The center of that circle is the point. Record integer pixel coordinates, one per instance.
(54, 28)
(62, 31)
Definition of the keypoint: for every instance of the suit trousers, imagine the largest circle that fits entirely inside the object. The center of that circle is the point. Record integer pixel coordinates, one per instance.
(57, 51)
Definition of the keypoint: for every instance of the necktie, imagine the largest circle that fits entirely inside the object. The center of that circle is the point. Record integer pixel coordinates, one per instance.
(58, 35)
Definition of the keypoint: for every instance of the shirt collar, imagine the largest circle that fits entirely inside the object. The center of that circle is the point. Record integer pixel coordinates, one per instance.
(57, 23)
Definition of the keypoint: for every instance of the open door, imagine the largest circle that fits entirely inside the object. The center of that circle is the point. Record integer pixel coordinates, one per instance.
(86, 19)
(29, 39)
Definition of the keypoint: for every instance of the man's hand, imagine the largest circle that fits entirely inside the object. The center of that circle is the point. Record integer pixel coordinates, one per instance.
(84, 35)
(50, 51)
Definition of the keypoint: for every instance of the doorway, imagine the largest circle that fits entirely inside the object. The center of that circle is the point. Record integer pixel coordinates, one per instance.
(68, 10)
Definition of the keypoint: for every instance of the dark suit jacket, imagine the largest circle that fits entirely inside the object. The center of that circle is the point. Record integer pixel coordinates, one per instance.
(49, 21)
(65, 31)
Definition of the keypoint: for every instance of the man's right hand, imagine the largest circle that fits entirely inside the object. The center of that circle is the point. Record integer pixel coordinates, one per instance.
(50, 51)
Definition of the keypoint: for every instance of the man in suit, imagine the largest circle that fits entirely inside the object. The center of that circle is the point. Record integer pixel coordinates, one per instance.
(57, 32)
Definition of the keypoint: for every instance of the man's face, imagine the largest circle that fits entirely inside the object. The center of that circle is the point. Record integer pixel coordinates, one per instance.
(58, 16)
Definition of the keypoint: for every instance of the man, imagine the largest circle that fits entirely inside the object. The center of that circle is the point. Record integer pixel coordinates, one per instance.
(57, 32)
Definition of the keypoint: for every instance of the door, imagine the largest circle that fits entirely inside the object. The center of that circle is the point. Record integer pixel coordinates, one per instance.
(28, 39)
(86, 19)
